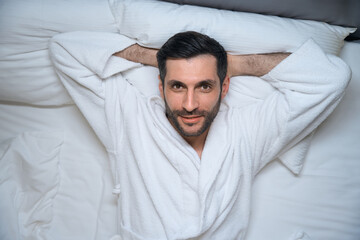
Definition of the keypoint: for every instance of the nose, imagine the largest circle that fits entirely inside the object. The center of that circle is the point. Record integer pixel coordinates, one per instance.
(190, 102)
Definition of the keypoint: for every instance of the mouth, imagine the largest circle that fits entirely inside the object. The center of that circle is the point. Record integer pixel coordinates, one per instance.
(191, 119)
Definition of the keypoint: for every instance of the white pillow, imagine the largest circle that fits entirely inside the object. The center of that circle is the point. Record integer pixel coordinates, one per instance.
(26, 72)
(151, 23)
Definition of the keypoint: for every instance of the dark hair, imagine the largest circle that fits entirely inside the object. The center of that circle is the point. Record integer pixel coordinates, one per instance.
(191, 44)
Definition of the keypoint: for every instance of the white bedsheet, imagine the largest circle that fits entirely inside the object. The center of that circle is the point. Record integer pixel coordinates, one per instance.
(84, 207)
(323, 201)
(29, 176)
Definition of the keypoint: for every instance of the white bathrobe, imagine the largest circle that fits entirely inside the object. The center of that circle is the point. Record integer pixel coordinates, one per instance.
(165, 190)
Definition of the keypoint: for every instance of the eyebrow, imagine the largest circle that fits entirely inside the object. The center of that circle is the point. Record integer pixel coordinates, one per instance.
(172, 82)
(207, 81)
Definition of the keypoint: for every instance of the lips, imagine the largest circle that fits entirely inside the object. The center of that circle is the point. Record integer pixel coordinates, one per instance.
(191, 119)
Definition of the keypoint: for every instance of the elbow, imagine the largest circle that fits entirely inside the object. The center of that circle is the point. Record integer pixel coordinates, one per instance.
(58, 53)
(340, 76)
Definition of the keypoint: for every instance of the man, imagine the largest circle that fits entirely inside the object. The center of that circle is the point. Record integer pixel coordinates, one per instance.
(185, 161)
(204, 61)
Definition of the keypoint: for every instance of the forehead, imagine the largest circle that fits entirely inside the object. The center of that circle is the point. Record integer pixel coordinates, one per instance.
(199, 68)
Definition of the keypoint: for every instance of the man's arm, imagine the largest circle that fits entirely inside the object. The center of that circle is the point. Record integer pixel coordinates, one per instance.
(238, 65)
(253, 64)
(309, 84)
(139, 54)
(84, 64)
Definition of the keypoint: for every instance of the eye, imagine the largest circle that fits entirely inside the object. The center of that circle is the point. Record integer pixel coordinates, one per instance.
(176, 86)
(205, 87)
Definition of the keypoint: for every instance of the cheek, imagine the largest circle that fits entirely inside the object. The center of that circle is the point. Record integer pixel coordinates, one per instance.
(209, 101)
(173, 100)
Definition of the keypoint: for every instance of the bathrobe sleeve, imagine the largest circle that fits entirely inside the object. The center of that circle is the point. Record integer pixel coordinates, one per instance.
(309, 84)
(86, 66)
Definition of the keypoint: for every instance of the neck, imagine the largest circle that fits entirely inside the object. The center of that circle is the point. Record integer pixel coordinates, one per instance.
(197, 143)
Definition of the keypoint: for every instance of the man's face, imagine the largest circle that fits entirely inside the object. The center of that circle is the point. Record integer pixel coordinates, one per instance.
(192, 94)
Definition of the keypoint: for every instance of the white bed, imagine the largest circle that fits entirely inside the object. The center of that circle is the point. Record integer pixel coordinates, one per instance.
(55, 178)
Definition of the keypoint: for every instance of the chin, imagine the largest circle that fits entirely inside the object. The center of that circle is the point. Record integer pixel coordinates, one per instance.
(193, 132)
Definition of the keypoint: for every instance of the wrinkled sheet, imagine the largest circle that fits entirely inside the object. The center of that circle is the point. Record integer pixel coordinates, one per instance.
(323, 202)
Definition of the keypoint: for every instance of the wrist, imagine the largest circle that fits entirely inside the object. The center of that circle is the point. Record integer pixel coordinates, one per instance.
(137, 53)
(236, 65)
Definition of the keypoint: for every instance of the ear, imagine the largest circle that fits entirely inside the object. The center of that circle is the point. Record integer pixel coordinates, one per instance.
(225, 86)
(161, 87)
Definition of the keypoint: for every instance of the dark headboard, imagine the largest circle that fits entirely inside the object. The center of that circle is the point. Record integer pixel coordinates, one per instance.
(337, 12)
